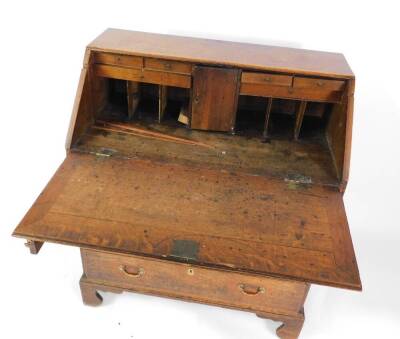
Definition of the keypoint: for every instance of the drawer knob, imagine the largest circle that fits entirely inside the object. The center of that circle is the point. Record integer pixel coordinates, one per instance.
(251, 290)
(320, 83)
(132, 273)
(267, 79)
(167, 65)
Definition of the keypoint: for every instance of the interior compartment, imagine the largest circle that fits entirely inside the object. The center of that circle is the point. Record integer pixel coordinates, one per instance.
(300, 137)
(177, 106)
(315, 121)
(133, 101)
(115, 105)
(147, 108)
(267, 118)
(250, 116)
(282, 119)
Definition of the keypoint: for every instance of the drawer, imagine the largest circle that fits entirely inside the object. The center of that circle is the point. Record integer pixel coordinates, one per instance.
(318, 84)
(167, 65)
(149, 76)
(310, 94)
(167, 78)
(179, 280)
(267, 79)
(114, 72)
(118, 60)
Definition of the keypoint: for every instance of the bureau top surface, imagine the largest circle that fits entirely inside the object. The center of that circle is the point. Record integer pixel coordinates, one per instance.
(210, 217)
(217, 52)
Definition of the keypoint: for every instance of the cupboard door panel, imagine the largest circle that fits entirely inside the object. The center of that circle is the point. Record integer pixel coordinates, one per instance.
(215, 92)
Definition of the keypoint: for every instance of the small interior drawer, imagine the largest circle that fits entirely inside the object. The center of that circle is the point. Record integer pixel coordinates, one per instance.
(321, 84)
(167, 78)
(143, 75)
(119, 60)
(268, 79)
(219, 287)
(167, 65)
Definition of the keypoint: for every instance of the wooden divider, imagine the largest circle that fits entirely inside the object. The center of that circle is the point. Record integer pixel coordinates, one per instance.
(267, 114)
(299, 119)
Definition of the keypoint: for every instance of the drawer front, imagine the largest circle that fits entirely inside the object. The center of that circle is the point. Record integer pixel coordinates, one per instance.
(122, 73)
(178, 280)
(290, 93)
(167, 78)
(118, 60)
(149, 76)
(318, 84)
(168, 66)
(267, 79)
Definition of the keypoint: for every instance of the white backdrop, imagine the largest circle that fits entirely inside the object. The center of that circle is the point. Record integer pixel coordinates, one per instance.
(42, 45)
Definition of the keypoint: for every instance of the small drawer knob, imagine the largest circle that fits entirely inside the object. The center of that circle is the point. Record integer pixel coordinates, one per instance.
(268, 79)
(167, 65)
(320, 83)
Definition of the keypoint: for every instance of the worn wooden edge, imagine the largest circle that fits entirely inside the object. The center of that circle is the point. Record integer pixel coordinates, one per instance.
(348, 136)
(78, 96)
(342, 234)
(244, 67)
(344, 285)
(98, 285)
(94, 46)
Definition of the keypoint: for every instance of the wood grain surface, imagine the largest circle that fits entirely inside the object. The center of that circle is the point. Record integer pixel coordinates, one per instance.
(215, 98)
(239, 222)
(247, 292)
(217, 52)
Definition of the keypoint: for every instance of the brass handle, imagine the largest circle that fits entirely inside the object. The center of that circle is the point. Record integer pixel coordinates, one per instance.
(137, 274)
(251, 290)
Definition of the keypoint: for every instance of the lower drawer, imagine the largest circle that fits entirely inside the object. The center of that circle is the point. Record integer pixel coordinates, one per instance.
(178, 280)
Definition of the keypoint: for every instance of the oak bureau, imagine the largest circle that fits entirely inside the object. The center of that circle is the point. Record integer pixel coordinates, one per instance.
(207, 171)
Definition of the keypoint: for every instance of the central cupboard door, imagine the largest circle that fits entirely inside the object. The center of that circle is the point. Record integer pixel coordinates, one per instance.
(215, 93)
